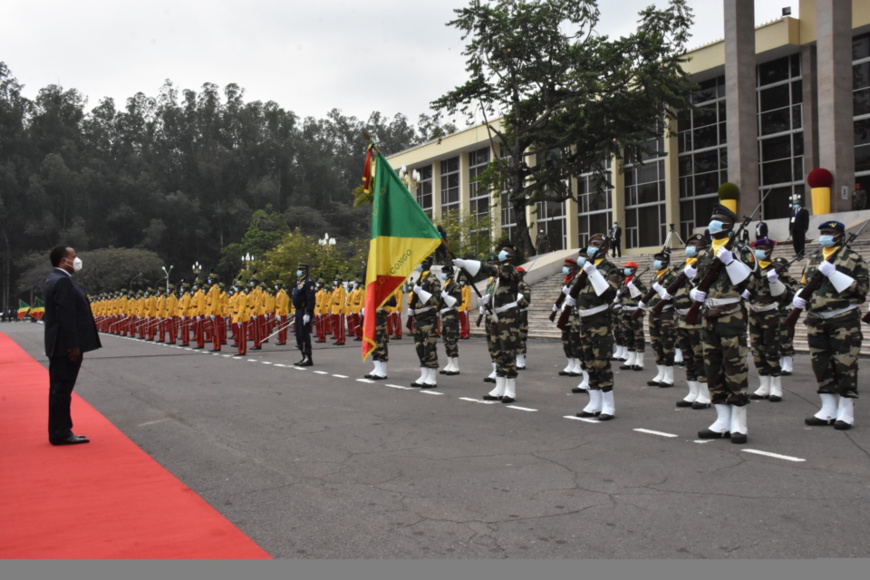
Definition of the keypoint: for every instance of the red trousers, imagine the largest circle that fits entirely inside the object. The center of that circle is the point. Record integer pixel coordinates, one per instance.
(338, 327)
(464, 327)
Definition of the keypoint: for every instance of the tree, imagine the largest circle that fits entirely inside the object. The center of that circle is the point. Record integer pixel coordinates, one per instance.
(569, 98)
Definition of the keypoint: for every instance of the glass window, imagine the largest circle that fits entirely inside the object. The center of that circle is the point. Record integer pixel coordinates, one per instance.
(424, 189)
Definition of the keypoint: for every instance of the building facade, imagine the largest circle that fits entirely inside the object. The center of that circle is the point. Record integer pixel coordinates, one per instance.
(803, 98)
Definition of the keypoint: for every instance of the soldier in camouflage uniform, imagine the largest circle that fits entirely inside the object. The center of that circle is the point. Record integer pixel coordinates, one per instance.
(769, 294)
(488, 326)
(524, 298)
(661, 324)
(570, 338)
(834, 324)
(451, 297)
(594, 320)
(723, 330)
(786, 332)
(629, 297)
(689, 335)
(423, 306)
(505, 319)
(380, 354)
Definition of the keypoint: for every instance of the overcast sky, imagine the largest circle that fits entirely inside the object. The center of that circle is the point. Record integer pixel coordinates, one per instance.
(392, 56)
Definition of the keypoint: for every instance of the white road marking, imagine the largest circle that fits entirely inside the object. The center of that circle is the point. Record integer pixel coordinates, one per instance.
(774, 455)
(265, 362)
(341, 376)
(704, 440)
(659, 433)
(280, 365)
(430, 392)
(521, 408)
(365, 381)
(145, 424)
(584, 419)
(321, 372)
(477, 401)
(399, 387)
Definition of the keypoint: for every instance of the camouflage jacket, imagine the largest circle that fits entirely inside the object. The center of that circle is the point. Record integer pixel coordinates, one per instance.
(587, 298)
(430, 284)
(760, 287)
(826, 297)
(722, 287)
(665, 278)
(454, 290)
(526, 292)
(504, 287)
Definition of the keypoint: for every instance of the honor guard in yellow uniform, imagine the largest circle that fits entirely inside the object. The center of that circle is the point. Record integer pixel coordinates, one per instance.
(338, 310)
(282, 312)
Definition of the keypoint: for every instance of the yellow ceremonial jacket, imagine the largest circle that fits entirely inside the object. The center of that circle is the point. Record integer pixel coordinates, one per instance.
(282, 303)
(338, 304)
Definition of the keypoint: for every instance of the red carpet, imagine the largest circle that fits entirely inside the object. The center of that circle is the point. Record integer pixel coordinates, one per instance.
(103, 500)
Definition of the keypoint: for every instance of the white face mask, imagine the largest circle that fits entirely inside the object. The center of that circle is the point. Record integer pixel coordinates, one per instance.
(76, 263)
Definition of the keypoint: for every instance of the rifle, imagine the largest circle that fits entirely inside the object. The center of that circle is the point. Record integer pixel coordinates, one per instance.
(580, 278)
(650, 293)
(621, 292)
(716, 267)
(672, 288)
(807, 292)
(558, 303)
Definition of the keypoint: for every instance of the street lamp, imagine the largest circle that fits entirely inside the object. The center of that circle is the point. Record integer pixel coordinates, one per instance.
(166, 272)
(326, 242)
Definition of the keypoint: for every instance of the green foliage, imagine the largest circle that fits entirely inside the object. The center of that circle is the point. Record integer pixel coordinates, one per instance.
(346, 259)
(556, 90)
(468, 236)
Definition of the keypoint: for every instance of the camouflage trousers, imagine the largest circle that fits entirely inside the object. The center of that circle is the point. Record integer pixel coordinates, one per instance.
(426, 339)
(724, 340)
(450, 332)
(662, 336)
(505, 343)
(571, 337)
(786, 334)
(764, 335)
(596, 341)
(834, 346)
(635, 339)
(689, 341)
(382, 339)
(524, 330)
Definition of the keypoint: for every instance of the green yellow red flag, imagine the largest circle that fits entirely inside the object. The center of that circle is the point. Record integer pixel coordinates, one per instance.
(38, 309)
(23, 309)
(402, 236)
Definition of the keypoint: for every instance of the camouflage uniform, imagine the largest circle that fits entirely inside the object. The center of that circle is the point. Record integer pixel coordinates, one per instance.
(524, 298)
(834, 332)
(688, 338)
(786, 332)
(635, 338)
(451, 297)
(380, 354)
(570, 334)
(425, 317)
(594, 320)
(661, 331)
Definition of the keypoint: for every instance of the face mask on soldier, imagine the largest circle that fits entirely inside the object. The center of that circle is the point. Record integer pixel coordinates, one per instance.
(716, 226)
(826, 241)
(691, 251)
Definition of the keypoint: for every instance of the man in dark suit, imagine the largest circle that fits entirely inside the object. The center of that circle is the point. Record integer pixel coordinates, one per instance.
(70, 331)
(304, 300)
(798, 226)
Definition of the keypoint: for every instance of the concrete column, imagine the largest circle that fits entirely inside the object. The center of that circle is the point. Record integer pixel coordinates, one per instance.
(436, 191)
(672, 180)
(809, 74)
(617, 199)
(572, 223)
(741, 101)
(835, 107)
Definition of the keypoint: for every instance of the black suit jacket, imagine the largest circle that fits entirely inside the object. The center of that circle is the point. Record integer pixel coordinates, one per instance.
(800, 221)
(69, 322)
(303, 297)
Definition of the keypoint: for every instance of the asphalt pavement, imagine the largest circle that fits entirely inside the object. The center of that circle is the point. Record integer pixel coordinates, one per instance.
(319, 463)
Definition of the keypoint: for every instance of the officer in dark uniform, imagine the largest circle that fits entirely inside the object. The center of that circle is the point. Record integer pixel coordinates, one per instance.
(798, 225)
(303, 302)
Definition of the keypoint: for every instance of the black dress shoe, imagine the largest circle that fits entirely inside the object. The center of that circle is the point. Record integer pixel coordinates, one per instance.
(588, 414)
(652, 383)
(842, 425)
(451, 373)
(488, 380)
(707, 434)
(636, 368)
(665, 385)
(626, 367)
(491, 398)
(428, 386)
(256, 348)
(214, 350)
(240, 354)
(521, 368)
(738, 438)
(785, 373)
(378, 378)
(605, 417)
(508, 400)
(683, 404)
(755, 397)
(775, 399)
(442, 372)
(72, 440)
(304, 363)
(578, 390)
(814, 421)
(280, 343)
(696, 405)
(564, 374)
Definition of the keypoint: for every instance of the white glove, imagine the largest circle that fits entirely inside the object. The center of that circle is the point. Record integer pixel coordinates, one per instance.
(482, 310)
(631, 284)
(565, 290)
(306, 319)
(555, 308)
(459, 263)
(827, 268)
(444, 294)
(690, 272)
(211, 316)
(697, 295)
(746, 294)
(198, 318)
(589, 267)
(570, 301)
(410, 312)
(519, 296)
(417, 289)
(362, 312)
(772, 276)
(484, 298)
(666, 296)
(642, 305)
(799, 302)
(184, 319)
(725, 256)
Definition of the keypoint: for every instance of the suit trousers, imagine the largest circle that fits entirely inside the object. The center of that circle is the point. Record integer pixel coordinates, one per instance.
(62, 375)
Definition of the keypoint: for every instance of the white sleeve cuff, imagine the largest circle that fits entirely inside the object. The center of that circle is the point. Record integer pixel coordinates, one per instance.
(448, 299)
(599, 284)
(841, 281)
(777, 288)
(472, 267)
(737, 271)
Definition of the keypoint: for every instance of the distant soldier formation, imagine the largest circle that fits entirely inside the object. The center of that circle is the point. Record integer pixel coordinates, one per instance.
(707, 307)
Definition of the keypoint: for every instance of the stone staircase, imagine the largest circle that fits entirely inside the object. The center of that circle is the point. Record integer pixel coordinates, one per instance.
(546, 291)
